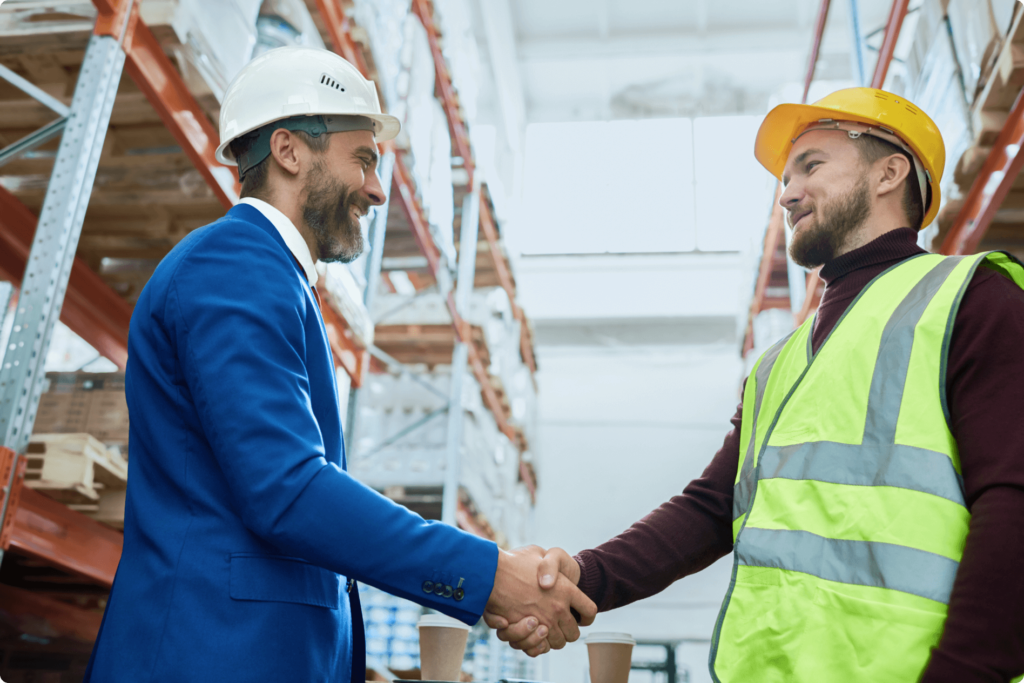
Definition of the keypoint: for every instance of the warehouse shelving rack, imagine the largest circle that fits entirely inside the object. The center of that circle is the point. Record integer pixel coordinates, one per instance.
(35, 526)
(339, 29)
(996, 190)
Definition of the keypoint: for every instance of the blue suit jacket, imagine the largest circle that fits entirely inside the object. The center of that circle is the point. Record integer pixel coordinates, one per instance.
(241, 524)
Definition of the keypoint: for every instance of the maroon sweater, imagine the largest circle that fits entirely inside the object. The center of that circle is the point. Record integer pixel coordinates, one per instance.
(983, 638)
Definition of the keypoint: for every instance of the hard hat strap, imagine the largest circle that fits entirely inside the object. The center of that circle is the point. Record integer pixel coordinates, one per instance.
(854, 130)
(312, 125)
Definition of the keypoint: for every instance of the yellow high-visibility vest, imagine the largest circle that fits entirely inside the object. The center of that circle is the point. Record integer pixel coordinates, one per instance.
(849, 513)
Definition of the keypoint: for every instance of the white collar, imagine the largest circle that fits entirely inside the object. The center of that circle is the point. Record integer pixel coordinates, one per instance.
(290, 235)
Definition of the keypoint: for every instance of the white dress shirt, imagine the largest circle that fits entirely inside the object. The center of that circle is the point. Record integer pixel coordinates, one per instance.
(289, 233)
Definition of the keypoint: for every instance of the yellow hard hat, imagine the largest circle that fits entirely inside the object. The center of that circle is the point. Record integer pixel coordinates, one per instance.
(881, 113)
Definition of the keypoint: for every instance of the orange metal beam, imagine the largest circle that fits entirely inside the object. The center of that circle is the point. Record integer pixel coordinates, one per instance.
(339, 29)
(812, 61)
(449, 99)
(9, 499)
(897, 14)
(990, 188)
(467, 522)
(487, 224)
(178, 109)
(489, 394)
(425, 11)
(347, 354)
(418, 222)
(45, 529)
(491, 234)
(812, 299)
(92, 310)
(341, 39)
(529, 478)
(110, 19)
(764, 272)
(40, 527)
(38, 615)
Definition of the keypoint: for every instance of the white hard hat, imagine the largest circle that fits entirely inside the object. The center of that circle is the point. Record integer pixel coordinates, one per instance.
(290, 82)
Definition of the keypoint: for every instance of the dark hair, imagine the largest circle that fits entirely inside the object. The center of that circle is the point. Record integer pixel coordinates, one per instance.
(874, 148)
(255, 179)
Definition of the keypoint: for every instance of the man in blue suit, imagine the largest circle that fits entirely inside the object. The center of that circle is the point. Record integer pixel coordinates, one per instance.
(244, 534)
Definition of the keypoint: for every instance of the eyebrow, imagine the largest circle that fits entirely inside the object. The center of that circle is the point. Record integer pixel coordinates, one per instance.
(801, 159)
(370, 152)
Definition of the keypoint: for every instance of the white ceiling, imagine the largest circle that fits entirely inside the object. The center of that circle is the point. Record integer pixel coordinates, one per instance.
(608, 59)
(562, 61)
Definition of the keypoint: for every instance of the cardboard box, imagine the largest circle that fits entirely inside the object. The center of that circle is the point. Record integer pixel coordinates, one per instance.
(82, 402)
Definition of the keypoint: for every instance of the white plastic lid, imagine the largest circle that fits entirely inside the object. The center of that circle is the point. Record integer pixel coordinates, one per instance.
(623, 638)
(440, 620)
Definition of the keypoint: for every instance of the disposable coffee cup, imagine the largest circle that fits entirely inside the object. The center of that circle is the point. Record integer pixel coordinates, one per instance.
(610, 657)
(442, 647)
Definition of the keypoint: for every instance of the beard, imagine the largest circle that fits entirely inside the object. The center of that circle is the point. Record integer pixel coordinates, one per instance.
(328, 210)
(834, 221)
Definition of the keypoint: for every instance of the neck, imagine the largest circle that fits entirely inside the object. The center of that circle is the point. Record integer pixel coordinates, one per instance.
(290, 205)
(881, 220)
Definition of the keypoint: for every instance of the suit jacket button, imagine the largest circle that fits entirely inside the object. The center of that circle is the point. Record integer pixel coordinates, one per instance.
(438, 588)
(447, 592)
(428, 586)
(458, 594)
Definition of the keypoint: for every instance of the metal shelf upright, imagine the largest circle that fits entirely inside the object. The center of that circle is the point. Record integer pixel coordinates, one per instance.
(40, 255)
(52, 252)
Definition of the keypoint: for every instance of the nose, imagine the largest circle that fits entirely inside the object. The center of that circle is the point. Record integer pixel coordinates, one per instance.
(373, 190)
(791, 195)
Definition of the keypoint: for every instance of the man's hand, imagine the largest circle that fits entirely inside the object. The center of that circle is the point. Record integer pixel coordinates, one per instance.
(532, 611)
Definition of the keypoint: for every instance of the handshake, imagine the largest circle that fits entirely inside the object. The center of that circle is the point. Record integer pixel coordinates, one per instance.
(535, 604)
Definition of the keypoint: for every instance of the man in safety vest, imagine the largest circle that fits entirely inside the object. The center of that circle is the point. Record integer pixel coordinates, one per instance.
(872, 489)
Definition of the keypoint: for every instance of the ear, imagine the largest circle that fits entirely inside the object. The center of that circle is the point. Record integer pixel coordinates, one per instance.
(284, 148)
(893, 171)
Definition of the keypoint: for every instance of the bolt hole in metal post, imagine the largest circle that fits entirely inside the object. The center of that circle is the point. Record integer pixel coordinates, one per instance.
(60, 223)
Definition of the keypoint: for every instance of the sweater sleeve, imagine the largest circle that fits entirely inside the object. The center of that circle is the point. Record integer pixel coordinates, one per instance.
(683, 536)
(983, 639)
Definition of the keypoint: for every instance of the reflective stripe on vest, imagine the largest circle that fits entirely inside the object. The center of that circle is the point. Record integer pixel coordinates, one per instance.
(849, 510)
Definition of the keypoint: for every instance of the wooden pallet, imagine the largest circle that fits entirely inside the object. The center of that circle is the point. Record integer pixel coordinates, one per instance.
(74, 469)
(109, 509)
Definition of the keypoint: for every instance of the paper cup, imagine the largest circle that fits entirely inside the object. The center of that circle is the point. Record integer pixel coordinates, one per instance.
(610, 657)
(442, 647)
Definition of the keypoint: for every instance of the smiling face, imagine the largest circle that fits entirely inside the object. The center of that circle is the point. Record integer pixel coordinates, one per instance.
(340, 187)
(827, 196)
